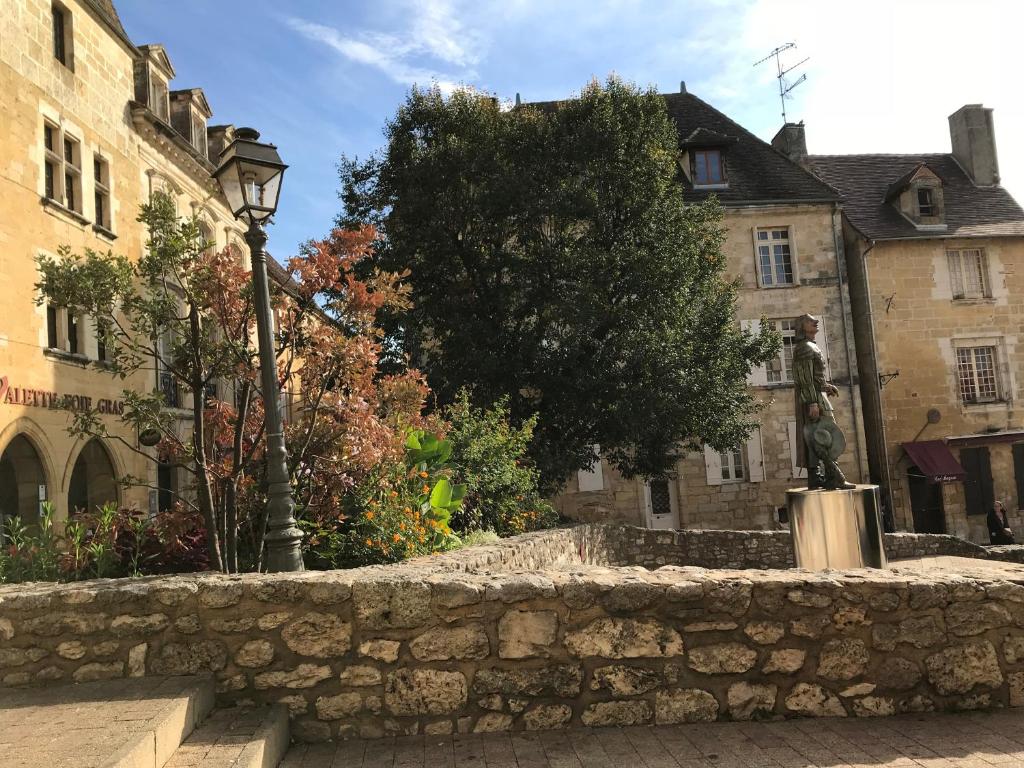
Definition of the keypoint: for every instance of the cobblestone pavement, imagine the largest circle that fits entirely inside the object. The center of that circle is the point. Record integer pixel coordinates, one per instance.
(78, 726)
(975, 740)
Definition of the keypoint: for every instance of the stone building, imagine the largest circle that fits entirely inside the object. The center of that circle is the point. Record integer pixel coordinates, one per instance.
(784, 242)
(91, 126)
(935, 249)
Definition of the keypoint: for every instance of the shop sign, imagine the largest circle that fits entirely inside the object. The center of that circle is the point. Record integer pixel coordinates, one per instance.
(40, 398)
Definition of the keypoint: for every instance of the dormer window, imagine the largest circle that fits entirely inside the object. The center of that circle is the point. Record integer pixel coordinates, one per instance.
(199, 132)
(707, 167)
(925, 202)
(158, 97)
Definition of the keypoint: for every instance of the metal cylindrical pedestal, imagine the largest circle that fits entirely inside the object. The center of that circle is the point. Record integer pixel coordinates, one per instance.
(836, 529)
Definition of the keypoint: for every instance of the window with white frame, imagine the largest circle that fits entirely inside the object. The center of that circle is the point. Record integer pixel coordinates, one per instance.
(977, 374)
(968, 273)
(774, 257)
(53, 162)
(72, 174)
(63, 330)
(62, 167)
(101, 191)
(660, 496)
(780, 368)
(732, 466)
(199, 133)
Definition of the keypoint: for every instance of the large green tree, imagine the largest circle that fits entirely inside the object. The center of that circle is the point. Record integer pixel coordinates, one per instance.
(555, 262)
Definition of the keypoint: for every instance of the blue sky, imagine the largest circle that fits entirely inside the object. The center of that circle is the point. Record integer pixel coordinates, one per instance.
(320, 78)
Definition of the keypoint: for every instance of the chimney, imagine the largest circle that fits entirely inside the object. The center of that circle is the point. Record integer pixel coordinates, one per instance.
(682, 86)
(518, 100)
(974, 143)
(791, 142)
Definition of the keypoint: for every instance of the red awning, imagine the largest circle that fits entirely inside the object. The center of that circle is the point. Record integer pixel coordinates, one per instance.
(935, 461)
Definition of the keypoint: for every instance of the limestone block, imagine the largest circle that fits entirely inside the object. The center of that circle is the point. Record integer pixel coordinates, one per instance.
(254, 654)
(884, 601)
(1013, 649)
(860, 689)
(337, 707)
(303, 676)
(874, 706)
(6, 629)
(106, 648)
(492, 722)
(723, 658)
(456, 593)
(614, 638)
(765, 632)
(849, 617)
(809, 626)
(710, 626)
(438, 728)
(526, 634)
(971, 703)
(732, 597)
(53, 624)
(425, 692)
(190, 658)
(492, 702)
(786, 660)
(918, 703)
(176, 594)
(813, 700)
(632, 596)
(358, 676)
(843, 659)
(517, 705)
(1005, 590)
(313, 731)
(959, 668)
(808, 599)
(88, 673)
(273, 620)
(1015, 682)
(330, 592)
(17, 678)
(515, 587)
(319, 635)
(12, 657)
(49, 674)
(381, 650)
(559, 680)
(232, 626)
(71, 649)
(625, 681)
(965, 619)
(137, 660)
(685, 592)
(928, 595)
(297, 705)
(685, 705)
(232, 683)
(442, 643)
(617, 713)
(188, 625)
(392, 604)
(220, 594)
(898, 674)
(747, 701)
(78, 596)
(127, 624)
(547, 717)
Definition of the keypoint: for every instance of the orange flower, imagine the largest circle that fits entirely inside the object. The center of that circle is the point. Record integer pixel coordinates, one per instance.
(393, 494)
(369, 515)
(424, 475)
(401, 526)
(425, 489)
(408, 511)
(369, 542)
(396, 538)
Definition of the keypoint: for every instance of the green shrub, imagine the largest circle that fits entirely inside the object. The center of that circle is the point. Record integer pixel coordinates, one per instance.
(489, 456)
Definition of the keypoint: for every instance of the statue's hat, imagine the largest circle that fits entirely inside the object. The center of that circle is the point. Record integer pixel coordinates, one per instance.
(826, 438)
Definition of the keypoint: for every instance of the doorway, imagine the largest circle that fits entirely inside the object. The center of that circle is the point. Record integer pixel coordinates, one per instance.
(925, 503)
(93, 483)
(22, 482)
(662, 503)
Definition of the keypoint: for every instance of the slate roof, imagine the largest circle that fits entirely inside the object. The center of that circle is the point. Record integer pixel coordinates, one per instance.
(107, 11)
(864, 180)
(757, 172)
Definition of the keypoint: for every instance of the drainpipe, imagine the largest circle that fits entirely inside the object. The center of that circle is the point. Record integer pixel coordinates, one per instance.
(877, 385)
(850, 354)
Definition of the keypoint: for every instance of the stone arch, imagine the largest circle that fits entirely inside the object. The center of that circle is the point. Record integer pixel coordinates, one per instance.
(93, 479)
(24, 478)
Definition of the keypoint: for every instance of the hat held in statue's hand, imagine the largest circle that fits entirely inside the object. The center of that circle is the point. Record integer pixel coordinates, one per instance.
(826, 438)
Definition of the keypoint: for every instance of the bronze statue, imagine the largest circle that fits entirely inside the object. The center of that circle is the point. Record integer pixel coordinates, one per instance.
(822, 441)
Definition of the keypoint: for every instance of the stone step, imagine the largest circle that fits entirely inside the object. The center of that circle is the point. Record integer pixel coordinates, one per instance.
(134, 723)
(236, 737)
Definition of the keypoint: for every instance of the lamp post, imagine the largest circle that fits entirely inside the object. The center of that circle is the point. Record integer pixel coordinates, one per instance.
(250, 177)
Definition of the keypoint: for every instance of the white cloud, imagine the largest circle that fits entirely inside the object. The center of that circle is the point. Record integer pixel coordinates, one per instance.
(434, 34)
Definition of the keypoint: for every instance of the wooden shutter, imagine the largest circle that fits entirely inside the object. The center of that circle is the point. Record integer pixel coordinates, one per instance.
(978, 492)
(822, 342)
(758, 376)
(592, 479)
(713, 465)
(755, 457)
(793, 437)
(1018, 471)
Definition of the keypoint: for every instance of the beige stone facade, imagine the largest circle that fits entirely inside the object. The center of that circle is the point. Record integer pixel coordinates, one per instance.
(700, 493)
(83, 146)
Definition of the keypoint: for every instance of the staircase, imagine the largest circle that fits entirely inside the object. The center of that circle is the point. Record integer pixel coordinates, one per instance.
(137, 723)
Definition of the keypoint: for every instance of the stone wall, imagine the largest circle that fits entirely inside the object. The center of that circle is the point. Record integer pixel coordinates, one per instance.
(425, 648)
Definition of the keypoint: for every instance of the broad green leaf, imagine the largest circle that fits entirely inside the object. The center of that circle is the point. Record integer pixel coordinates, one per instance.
(441, 496)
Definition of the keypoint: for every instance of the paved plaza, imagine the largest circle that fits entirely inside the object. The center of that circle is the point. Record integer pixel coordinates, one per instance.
(971, 740)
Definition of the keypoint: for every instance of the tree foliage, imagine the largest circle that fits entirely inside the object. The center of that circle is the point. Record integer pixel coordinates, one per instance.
(556, 264)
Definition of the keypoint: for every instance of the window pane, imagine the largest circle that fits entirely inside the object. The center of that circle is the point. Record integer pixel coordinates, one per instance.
(762, 234)
(701, 168)
(101, 209)
(58, 35)
(51, 327)
(737, 464)
(72, 334)
(661, 500)
(766, 266)
(69, 192)
(965, 374)
(985, 371)
(956, 280)
(49, 137)
(50, 176)
(714, 162)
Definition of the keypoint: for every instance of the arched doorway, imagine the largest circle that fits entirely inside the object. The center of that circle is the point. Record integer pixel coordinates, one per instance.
(93, 481)
(22, 482)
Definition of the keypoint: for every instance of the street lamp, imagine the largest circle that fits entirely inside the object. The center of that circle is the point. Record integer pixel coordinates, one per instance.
(250, 177)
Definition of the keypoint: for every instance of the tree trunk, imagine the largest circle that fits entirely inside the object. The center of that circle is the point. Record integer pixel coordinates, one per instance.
(205, 492)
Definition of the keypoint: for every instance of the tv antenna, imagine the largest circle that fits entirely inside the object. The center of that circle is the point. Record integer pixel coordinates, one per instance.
(785, 87)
